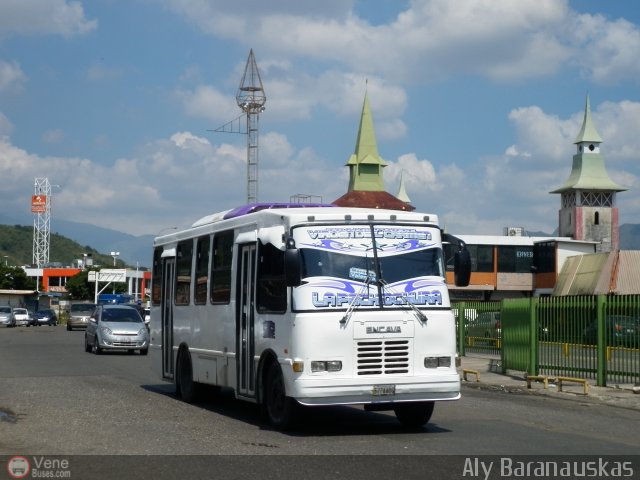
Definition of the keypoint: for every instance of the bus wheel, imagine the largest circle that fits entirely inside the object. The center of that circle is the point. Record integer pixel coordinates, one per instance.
(414, 415)
(186, 388)
(280, 409)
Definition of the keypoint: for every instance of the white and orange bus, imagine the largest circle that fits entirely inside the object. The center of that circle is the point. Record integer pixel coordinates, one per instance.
(291, 305)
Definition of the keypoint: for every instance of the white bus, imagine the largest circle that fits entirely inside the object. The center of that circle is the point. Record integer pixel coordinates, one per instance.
(309, 306)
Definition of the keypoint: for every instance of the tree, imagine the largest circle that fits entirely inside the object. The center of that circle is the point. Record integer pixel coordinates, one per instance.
(15, 278)
(79, 288)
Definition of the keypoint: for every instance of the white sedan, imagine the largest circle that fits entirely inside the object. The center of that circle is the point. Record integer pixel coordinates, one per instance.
(20, 316)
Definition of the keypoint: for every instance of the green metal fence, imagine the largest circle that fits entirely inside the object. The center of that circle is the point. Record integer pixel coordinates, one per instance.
(480, 328)
(592, 337)
(519, 328)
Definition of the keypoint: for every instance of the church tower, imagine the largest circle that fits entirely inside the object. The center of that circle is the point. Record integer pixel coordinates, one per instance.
(588, 198)
(366, 164)
(366, 185)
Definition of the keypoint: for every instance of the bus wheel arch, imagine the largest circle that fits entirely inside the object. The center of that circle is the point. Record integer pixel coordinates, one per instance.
(186, 388)
(279, 409)
(268, 357)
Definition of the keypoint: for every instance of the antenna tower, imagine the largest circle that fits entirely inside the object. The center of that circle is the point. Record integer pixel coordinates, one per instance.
(41, 207)
(251, 100)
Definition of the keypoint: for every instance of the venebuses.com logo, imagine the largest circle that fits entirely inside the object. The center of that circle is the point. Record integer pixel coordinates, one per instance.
(20, 466)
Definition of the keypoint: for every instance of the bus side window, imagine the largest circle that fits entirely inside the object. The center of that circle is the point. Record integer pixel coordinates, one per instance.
(184, 257)
(202, 270)
(221, 267)
(156, 279)
(271, 282)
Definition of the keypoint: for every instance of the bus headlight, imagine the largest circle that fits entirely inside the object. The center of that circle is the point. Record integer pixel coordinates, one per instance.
(435, 362)
(326, 366)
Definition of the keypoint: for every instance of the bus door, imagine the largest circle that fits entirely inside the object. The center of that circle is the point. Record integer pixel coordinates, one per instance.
(245, 320)
(167, 316)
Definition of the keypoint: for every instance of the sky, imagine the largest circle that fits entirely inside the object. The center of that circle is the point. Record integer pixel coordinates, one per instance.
(478, 102)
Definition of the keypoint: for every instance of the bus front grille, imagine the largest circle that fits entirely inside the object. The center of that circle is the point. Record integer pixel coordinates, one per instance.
(382, 357)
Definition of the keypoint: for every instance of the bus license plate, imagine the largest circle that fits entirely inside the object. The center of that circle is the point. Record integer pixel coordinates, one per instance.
(379, 390)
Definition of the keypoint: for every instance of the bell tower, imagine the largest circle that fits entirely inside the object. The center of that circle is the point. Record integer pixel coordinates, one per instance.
(588, 198)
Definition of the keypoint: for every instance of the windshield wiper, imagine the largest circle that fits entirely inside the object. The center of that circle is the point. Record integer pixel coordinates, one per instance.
(422, 318)
(352, 304)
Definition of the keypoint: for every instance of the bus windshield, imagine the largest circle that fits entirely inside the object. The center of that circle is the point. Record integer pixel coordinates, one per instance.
(378, 265)
(403, 266)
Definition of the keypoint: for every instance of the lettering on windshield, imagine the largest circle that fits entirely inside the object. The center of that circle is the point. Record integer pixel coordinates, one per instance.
(329, 299)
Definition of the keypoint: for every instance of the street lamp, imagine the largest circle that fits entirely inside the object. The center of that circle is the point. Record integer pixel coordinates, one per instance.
(114, 255)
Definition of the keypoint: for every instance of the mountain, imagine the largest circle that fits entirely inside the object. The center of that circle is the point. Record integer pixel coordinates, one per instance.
(137, 250)
(134, 250)
(630, 236)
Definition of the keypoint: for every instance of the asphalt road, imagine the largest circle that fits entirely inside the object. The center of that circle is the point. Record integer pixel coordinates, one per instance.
(55, 399)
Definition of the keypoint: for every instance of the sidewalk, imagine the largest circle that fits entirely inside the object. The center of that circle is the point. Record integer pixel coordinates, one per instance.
(485, 372)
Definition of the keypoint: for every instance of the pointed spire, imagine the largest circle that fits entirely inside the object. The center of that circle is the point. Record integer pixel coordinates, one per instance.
(588, 132)
(251, 97)
(365, 164)
(402, 192)
(588, 172)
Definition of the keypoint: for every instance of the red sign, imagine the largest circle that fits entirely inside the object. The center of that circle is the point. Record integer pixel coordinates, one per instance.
(38, 203)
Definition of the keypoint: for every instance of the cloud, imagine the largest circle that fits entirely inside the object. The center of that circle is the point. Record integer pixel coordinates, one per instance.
(44, 17)
(208, 102)
(606, 51)
(185, 177)
(431, 40)
(11, 76)
(513, 188)
(6, 127)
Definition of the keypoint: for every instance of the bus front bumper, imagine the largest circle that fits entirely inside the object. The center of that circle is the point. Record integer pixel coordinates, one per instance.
(349, 391)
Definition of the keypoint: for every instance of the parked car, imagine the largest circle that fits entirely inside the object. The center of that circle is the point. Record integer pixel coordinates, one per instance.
(79, 315)
(485, 325)
(621, 330)
(117, 327)
(6, 318)
(46, 317)
(20, 316)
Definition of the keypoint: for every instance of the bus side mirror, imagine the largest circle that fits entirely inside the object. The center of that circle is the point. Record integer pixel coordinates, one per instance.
(462, 267)
(292, 267)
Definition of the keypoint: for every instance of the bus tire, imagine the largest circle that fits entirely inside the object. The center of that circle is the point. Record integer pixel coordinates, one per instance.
(186, 388)
(280, 410)
(414, 415)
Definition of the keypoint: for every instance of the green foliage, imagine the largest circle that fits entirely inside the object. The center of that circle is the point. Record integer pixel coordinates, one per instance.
(79, 287)
(16, 243)
(15, 278)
